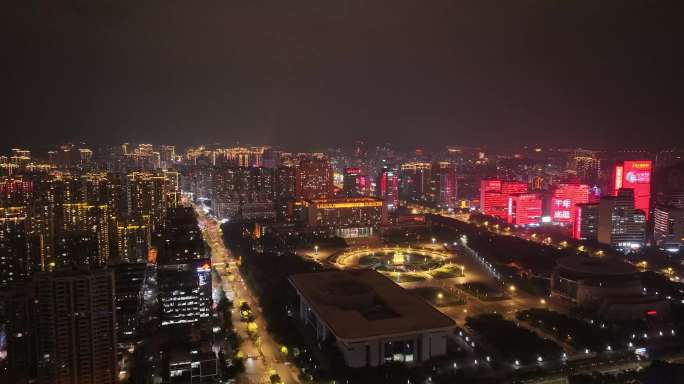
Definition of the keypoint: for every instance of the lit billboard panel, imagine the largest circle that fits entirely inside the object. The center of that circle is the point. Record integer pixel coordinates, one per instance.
(635, 175)
(564, 200)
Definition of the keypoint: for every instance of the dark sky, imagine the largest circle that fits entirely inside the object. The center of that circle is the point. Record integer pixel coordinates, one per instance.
(314, 73)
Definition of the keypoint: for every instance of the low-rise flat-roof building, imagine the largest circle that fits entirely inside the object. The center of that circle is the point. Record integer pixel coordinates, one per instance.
(347, 216)
(609, 286)
(371, 320)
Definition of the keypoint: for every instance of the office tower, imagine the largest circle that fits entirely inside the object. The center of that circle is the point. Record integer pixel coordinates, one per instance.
(564, 199)
(585, 165)
(636, 175)
(415, 181)
(444, 188)
(524, 209)
(15, 248)
(314, 178)
(620, 224)
(586, 223)
(75, 327)
(668, 229)
(494, 195)
(183, 270)
(388, 188)
(129, 285)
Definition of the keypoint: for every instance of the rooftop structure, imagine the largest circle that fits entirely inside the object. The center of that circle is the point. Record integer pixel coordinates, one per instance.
(347, 216)
(606, 285)
(372, 319)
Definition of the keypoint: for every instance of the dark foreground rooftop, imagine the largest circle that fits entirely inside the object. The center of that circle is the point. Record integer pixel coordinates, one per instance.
(362, 303)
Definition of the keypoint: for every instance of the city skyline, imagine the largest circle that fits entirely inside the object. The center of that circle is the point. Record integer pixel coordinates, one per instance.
(349, 191)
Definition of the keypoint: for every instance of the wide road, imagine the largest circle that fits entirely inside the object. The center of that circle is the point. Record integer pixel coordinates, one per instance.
(262, 353)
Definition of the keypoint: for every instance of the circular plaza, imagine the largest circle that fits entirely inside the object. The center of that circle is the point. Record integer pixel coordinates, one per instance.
(404, 264)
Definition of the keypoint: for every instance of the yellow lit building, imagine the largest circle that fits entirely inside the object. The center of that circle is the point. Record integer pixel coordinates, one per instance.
(347, 216)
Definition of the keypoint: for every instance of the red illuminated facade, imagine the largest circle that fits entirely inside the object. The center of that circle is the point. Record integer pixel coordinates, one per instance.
(388, 188)
(564, 202)
(635, 175)
(524, 209)
(494, 196)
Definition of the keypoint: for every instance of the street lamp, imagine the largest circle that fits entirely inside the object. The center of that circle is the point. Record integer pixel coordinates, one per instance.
(512, 288)
(433, 241)
(316, 249)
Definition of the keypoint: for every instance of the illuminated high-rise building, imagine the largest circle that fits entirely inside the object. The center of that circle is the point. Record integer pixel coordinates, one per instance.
(150, 194)
(444, 188)
(247, 192)
(668, 228)
(69, 156)
(285, 185)
(245, 157)
(129, 283)
(15, 249)
(144, 157)
(388, 188)
(524, 209)
(355, 183)
(636, 175)
(76, 327)
(415, 181)
(20, 157)
(15, 192)
(494, 196)
(564, 199)
(314, 178)
(585, 165)
(586, 222)
(167, 155)
(85, 155)
(133, 239)
(621, 225)
(183, 270)
(84, 226)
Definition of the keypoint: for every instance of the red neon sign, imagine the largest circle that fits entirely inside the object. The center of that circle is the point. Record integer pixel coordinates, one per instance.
(636, 175)
(564, 200)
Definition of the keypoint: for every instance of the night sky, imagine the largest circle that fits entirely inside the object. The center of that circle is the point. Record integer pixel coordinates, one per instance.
(308, 74)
